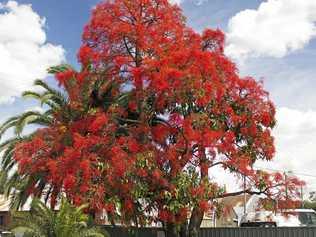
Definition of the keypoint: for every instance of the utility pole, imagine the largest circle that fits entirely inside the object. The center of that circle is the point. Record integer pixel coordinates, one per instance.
(245, 197)
(285, 180)
(302, 196)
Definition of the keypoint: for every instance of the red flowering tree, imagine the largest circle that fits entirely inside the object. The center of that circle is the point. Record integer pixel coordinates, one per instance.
(154, 108)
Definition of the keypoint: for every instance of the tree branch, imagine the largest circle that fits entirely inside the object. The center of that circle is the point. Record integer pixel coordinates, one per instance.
(248, 191)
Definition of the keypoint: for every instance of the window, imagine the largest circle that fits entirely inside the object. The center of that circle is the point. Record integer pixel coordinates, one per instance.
(1, 220)
(307, 218)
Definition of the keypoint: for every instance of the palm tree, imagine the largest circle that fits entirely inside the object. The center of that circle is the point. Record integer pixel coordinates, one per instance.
(57, 110)
(41, 221)
(12, 184)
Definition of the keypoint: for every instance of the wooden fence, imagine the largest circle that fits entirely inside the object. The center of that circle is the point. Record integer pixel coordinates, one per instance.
(220, 232)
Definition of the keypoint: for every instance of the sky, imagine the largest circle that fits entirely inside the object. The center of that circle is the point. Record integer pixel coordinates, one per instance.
(272, 40)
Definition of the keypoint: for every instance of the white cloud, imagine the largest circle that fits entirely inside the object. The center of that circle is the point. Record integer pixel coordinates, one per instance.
(295, 140)
(275, 29)
(24, 53)
(175, 1)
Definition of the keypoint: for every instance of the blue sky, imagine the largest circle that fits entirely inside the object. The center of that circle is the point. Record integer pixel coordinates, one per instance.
(273, 40)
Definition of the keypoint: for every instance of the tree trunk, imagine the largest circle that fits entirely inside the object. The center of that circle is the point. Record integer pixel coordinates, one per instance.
(171, 230)
(198, 214)
(195, 221)
(184, 230)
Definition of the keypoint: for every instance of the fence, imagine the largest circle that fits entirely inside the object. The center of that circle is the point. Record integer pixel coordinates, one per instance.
(220, 232)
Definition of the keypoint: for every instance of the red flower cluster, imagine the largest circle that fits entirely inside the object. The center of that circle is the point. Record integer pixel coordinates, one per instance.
(63, 77)
(98, 123)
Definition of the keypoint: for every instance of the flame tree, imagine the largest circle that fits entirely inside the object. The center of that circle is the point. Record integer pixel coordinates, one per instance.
(154, 107)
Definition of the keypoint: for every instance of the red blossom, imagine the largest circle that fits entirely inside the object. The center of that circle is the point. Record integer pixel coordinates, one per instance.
(84, 54)
(132, 105)
(98, 123)
(142, 173)
(164, 215)
(84, 188)
(133, 146)
(266, 119)
(69, 182)
(204, 205)
(156, 174)
(63, 77)
(110, 208)
(128, 205)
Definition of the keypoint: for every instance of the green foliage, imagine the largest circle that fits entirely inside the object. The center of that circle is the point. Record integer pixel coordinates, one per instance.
(310, 205)
(69, 221)
(59, 68)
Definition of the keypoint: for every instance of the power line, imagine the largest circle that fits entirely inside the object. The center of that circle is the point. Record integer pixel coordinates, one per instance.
(293, 172)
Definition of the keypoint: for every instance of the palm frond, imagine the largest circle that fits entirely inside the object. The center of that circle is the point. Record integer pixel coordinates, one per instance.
(7, 157)
(69, 221)
(31, 94)
(8, 124)
(59, 68)
(17, 187)
(24, 119)
(55, 95)
(93, 232)
(4, 145)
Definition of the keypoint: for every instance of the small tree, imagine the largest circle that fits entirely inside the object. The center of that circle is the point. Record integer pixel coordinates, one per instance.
(68, 221)
(311, 202)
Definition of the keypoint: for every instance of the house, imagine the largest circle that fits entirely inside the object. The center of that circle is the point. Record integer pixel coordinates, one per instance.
(233, 208)
(209, 220)
(5, 212)
(5, 215)
(232, 212)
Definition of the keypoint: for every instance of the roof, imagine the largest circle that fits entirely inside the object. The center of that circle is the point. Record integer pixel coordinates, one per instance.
(299, 210)
(235, 203)
(5, 204)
